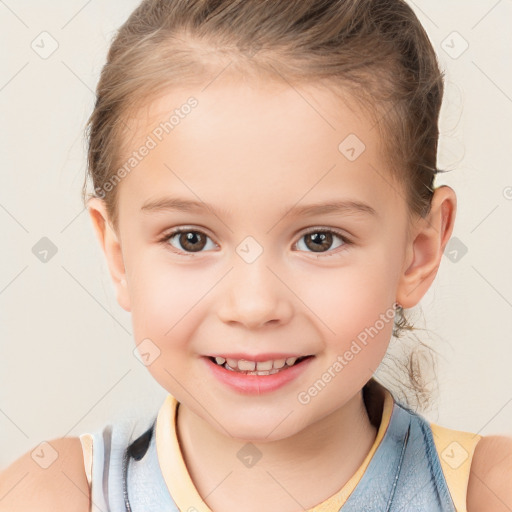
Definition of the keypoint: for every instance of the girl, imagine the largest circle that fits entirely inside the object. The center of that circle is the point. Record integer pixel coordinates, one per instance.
(264, 195)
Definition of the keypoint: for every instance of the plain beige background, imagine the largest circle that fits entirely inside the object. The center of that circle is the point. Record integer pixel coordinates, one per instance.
(67, 362)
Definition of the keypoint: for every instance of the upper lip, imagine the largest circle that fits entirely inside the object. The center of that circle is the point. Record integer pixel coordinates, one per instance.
(269, 356)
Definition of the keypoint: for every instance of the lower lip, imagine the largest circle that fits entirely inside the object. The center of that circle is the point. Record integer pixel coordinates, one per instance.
(257, 384)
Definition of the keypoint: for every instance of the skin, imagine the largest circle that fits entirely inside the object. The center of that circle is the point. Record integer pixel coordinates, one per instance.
(256, 152)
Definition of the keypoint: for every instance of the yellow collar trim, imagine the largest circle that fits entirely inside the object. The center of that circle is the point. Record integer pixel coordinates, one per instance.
(182, 489)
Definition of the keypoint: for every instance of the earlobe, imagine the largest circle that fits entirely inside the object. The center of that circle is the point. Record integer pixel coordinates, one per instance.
(111, 247)
(425, 249)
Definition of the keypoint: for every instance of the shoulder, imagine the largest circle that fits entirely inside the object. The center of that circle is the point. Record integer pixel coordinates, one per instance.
(62, 485)
(490, 479)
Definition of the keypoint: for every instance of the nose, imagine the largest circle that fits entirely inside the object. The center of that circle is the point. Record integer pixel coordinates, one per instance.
(254, 295)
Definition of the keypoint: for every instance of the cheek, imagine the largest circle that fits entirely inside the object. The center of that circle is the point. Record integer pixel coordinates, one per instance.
(353, 307)
(353, 297)
(166, 299)
(166, 308)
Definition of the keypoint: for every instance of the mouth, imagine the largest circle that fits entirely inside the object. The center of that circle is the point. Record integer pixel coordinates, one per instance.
(269, 367)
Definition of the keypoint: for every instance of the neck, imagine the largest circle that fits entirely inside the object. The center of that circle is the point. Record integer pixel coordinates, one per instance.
(332, 449)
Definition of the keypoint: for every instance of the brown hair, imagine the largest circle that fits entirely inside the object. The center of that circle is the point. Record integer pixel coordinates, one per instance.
(373, 51)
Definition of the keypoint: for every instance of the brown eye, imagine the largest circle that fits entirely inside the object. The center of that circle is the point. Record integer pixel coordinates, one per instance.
(187, 240)
(318, 241)
(321, 240)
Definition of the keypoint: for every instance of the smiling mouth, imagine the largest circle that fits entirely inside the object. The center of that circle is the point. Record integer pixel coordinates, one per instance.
(264, 368)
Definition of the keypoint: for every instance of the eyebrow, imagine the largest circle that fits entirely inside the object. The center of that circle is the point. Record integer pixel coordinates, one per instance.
(347, 207)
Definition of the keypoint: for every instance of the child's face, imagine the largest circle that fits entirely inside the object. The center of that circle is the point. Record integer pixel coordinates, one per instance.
(251, 281)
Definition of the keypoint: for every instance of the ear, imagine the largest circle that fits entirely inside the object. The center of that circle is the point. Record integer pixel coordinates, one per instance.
(111, 247)
(428, 239)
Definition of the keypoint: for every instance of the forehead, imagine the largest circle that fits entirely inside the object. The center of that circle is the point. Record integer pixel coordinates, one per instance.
(246, 147)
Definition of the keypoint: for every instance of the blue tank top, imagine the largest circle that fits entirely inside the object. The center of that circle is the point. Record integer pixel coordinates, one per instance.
(404, 473)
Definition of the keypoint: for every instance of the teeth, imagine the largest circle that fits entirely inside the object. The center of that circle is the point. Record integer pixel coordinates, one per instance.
(263, 365)
(246, 365)
(256, 368)
(232, 362)
(270, 372)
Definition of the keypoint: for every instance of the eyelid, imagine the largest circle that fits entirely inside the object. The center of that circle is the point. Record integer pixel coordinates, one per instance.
(178, 229)
(323, 229)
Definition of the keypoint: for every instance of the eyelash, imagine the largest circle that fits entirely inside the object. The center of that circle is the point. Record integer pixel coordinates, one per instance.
(346, 242)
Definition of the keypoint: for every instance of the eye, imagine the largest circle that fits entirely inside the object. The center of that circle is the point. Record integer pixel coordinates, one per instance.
(190, 240)
(318, 239)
